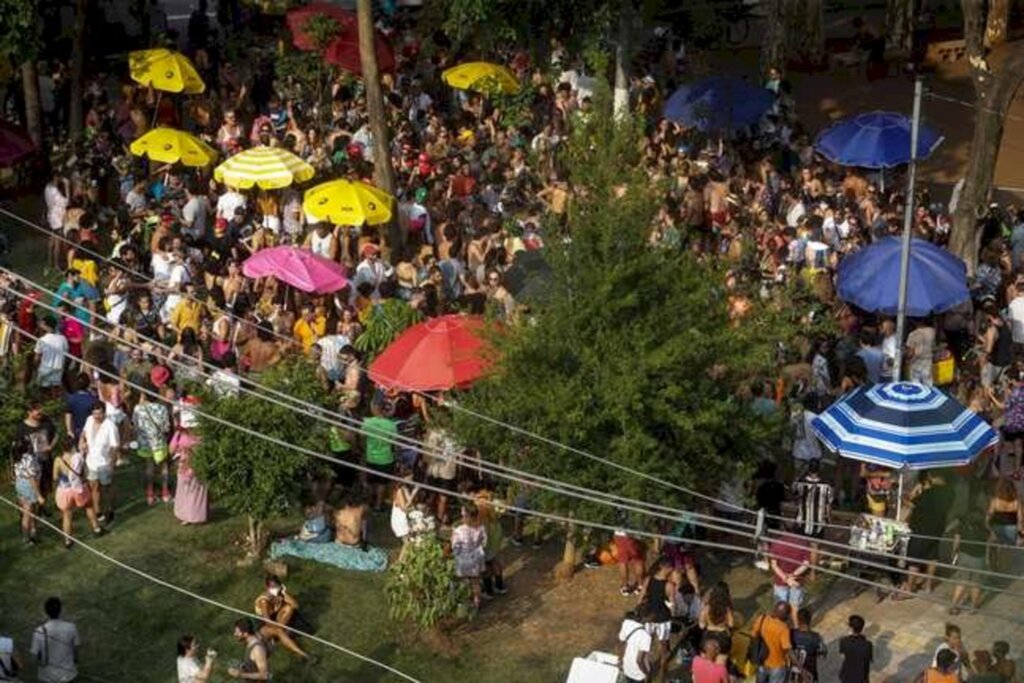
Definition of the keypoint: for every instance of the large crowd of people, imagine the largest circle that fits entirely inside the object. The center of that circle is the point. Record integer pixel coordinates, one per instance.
(149, 261)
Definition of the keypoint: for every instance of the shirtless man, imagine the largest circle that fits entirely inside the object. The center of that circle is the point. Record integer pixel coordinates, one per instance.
(555, 195)
(261, 351)
(350, 522)
(716, 192)
(279, 607)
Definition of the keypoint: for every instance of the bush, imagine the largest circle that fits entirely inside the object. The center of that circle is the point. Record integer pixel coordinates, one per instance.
(250, 475)
(421, 586)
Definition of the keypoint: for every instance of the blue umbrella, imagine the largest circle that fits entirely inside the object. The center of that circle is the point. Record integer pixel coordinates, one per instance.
(719, 103)
(903, 425)
(869, 278)
(877, 139)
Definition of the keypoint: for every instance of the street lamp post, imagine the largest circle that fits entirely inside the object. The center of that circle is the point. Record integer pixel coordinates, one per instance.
(908, 220)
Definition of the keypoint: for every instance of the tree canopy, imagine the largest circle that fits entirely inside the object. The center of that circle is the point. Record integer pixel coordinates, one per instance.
(250, 475)
(19, 30)
(634, 356)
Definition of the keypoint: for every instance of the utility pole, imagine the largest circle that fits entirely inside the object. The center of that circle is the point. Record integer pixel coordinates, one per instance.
(908, 219)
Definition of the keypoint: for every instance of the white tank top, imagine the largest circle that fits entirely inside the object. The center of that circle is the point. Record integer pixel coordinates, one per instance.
(321, 246)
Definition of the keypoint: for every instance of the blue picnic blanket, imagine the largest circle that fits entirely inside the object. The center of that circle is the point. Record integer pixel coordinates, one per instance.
(373, 559)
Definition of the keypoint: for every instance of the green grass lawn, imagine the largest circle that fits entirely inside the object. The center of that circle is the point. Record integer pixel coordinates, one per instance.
(129, 626)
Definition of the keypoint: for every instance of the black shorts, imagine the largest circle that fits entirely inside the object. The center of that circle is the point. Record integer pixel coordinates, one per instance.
(377, 470)
(922, 550)
(444, 484)
(344, 475)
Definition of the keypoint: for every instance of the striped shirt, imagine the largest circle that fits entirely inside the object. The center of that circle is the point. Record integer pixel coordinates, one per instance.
(814, 501)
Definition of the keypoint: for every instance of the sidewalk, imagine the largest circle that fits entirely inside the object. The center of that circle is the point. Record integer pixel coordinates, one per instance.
(905, 634)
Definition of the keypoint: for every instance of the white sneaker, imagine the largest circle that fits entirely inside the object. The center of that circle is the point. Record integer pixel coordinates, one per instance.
(762, 565)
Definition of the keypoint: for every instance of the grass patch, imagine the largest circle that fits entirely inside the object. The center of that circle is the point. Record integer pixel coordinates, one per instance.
(129, 626)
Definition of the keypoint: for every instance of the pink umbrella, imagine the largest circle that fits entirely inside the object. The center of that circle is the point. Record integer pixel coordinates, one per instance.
(300, 268)
(15, 144)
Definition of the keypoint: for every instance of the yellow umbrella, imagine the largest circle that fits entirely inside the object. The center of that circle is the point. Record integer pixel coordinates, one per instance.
(170, 146)
(483, 77)
(165, 70)
(345, 202)
(267, 167)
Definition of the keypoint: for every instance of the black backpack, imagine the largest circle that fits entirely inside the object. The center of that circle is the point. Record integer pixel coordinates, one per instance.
(757, 653)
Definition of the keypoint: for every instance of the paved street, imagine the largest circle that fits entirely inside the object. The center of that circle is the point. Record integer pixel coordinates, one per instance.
(905, 633)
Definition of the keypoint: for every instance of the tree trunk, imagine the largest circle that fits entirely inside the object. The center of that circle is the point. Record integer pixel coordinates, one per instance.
(255, 538)
(899, 21)
(33, 109)
(813, 14)
(994, 92)
(383, 172)
(77, 114)
(145, 22)
(996, 22)
(566, 569)
(620, 100)
(773, 46)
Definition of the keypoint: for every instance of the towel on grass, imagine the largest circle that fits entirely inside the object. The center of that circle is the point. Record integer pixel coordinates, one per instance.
(373, 559)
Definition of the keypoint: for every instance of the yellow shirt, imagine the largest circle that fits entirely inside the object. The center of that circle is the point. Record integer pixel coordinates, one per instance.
(307, 333)
(86, 269)
(186, 315)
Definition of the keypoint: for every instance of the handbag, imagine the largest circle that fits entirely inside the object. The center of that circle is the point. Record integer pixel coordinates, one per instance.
(944, 368)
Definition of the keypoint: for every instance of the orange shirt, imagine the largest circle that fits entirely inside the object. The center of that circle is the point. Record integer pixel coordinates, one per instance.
(775, 634)
(936, 676)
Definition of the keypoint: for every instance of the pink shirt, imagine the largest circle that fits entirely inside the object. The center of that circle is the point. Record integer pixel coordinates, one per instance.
(706, 671)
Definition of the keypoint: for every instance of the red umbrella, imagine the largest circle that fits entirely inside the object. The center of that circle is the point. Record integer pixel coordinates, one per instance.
(441, 353)
(344, 52)
(15, 144)
(298, 17)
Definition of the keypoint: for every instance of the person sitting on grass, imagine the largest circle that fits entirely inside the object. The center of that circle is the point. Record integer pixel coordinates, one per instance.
(350, 522)
(279, 607)
(255, 666)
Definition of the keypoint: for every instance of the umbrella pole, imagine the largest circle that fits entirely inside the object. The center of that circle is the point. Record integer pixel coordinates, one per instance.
(156, 108)
(908, 218)
(899, 496)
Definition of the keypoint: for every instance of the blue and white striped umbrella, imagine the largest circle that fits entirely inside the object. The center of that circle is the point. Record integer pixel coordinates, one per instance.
(903, 425)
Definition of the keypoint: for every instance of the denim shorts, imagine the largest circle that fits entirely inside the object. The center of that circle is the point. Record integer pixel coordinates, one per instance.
(104, 475)
(793, 595)
(24, 489)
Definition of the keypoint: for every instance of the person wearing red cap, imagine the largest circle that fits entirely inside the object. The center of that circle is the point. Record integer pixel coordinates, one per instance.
(371, 268)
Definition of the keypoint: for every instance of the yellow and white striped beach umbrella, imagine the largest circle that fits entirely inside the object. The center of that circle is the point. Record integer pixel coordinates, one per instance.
(267, 167)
